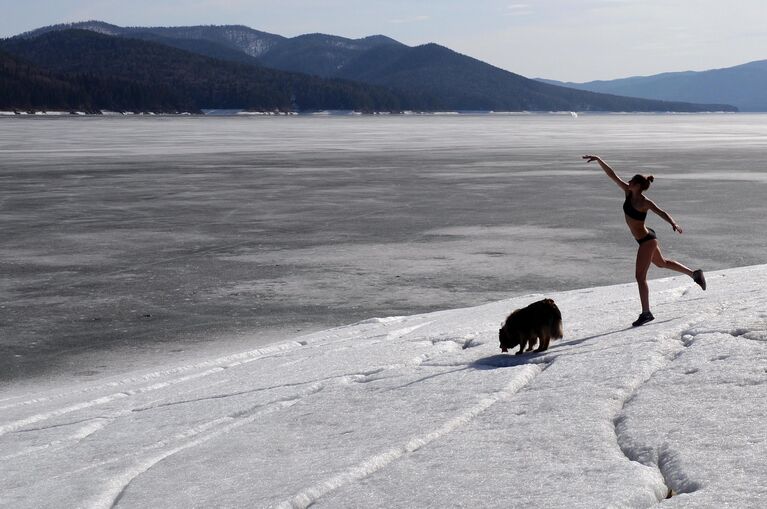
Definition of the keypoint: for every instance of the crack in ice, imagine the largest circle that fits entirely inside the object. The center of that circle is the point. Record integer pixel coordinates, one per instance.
(647, 455)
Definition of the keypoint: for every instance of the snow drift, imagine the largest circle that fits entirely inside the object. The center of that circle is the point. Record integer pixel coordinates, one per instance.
(423, 411)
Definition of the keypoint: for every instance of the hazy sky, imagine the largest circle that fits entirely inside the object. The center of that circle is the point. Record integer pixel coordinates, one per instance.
(572, 40)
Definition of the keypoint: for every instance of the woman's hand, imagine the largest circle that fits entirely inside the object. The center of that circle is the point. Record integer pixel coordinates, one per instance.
(590, 159)
(676, 228)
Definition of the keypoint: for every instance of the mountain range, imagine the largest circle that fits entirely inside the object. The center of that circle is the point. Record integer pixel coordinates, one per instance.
(192, 68)
(167, 79)
(744, 86)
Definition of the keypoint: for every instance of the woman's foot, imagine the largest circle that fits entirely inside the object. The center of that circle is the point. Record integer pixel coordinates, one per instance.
(645, 317)
(698, 277)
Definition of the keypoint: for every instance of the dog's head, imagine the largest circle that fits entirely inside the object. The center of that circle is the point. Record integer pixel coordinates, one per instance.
(507, 337)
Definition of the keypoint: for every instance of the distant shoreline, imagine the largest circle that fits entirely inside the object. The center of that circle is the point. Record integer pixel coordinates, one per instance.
(341, 113)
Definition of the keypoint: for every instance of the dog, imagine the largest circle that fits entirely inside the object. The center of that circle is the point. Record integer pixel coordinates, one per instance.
(539, 321)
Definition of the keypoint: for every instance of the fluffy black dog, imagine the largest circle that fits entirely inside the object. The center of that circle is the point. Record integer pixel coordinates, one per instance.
(539, 321)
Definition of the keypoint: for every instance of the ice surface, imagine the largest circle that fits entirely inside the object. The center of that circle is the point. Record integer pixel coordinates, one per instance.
(423, 411)
(125, 237)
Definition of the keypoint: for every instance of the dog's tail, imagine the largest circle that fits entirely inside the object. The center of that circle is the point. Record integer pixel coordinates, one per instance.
(556, 329)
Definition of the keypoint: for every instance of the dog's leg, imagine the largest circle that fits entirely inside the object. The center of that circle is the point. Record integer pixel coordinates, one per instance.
(545, 339)
(531, 343)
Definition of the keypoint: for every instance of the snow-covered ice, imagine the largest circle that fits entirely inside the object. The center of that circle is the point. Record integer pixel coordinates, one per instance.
(423, 411)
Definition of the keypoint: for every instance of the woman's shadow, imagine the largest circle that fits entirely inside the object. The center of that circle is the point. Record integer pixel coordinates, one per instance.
(509, 360)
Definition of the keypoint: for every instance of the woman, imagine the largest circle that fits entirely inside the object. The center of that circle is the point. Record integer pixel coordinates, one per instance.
(635, 208)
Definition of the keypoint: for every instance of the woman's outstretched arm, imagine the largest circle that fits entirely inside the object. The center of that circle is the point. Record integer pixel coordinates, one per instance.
(609, 171)
(665, 215)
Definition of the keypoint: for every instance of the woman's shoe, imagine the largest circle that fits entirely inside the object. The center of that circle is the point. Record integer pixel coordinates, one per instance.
(643, 319)
(698, 277)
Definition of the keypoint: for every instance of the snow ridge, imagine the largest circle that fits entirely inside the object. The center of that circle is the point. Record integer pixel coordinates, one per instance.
(204, 433)
(309, 496)
(219, 366)
(227, 361)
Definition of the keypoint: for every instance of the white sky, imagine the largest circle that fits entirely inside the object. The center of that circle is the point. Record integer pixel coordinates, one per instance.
(577, 40)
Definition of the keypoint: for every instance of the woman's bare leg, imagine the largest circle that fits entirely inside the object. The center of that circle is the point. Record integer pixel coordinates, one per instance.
(658, 260)
(644, 258)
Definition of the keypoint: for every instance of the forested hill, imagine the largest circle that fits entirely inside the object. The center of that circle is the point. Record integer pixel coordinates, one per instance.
(22, 86)
(103, 72)
(26, 87)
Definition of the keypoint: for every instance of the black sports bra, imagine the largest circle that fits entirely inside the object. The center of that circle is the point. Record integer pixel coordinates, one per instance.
(631, 211)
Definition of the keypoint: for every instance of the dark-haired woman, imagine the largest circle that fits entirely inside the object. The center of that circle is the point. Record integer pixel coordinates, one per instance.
(635, 209)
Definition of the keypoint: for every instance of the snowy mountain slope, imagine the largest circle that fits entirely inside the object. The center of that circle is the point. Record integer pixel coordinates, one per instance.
(236, 37)
(423, 411)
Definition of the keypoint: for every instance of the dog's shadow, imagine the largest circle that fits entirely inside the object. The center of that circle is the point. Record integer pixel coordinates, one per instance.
(504, 360)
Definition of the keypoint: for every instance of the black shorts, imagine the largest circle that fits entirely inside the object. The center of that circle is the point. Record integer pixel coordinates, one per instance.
(649, 236)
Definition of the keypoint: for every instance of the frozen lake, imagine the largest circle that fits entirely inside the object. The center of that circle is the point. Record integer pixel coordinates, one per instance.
(157, 235)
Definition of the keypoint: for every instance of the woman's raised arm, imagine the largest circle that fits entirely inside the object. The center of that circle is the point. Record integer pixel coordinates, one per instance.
(609, 171)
